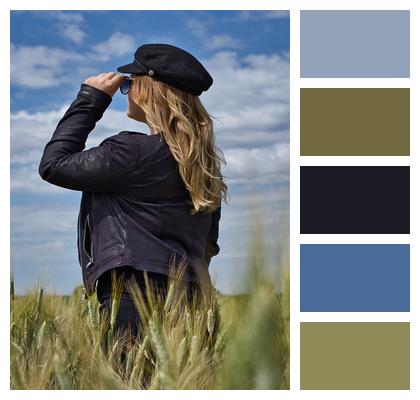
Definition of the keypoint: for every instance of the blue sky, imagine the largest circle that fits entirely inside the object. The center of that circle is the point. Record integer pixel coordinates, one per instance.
(53, 52)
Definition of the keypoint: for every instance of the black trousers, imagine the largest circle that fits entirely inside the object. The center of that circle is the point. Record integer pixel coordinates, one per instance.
(128, 318)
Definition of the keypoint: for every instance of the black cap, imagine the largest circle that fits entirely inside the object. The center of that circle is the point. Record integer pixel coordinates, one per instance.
(171, 65)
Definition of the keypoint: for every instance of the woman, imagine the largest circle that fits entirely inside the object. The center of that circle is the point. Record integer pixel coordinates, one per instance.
(149, 201)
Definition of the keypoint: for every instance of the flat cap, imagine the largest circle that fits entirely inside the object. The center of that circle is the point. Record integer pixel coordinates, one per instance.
(171, 65)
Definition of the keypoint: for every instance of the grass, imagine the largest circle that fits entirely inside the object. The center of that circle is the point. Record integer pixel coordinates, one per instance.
(222, 342)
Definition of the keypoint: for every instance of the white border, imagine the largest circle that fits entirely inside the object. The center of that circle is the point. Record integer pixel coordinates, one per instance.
(296, 82)
(326, 239)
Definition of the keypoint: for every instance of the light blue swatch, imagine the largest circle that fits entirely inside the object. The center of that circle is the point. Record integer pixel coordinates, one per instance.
(355, 277)
(355, 44)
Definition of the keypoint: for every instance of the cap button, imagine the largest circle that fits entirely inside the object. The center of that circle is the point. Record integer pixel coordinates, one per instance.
(151, 72)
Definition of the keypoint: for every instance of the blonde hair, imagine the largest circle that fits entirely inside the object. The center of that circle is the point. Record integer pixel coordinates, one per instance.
(188, 130)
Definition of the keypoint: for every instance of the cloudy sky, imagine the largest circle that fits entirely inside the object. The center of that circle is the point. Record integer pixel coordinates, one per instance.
(247, 54)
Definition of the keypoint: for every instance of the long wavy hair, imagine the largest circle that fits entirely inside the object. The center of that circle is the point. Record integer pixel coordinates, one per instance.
(188, 130)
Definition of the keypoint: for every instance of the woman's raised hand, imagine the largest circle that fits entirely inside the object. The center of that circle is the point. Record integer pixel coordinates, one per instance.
(108, 82)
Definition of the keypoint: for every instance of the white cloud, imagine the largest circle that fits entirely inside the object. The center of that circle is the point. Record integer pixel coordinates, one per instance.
(45, 237)
(31, 131)
(222, 41)
(25, 179)
(64, 16)
(258, 165)
(249, 209)
(270, 203)
(250, 98)
(117, 45)
(38, 67)
(73, 32)
(262, 14)
(198, 27)
(69, 25)
(29, 134)
(30, 221)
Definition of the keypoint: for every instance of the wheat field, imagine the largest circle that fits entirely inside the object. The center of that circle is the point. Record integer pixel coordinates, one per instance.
(225, 342)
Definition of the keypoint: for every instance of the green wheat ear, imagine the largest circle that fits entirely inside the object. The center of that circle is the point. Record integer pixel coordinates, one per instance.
(181, 353)
(169, 297)
(193, 349)
(38, 303)
(40, 336)
(60, 373)
(211, 321)
(117, 287)
(92, 315)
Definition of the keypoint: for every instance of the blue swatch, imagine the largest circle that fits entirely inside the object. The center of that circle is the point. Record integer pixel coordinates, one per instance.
(354, 277)
(355, 44)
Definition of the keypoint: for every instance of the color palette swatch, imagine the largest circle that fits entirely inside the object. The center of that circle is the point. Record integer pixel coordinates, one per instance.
(354, 44)
(357, 199)
(355, 122)
(355, 277)
(355, 355)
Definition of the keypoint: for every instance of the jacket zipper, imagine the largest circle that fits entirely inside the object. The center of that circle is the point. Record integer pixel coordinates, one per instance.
(91, 246)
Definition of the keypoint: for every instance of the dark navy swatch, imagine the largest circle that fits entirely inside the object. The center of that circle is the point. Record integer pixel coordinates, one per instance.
(354, 277)
(355, 199)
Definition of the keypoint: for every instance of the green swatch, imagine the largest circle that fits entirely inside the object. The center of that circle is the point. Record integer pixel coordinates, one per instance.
(355, 355)
(355, 122)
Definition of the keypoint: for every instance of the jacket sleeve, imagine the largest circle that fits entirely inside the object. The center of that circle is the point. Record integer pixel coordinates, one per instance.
(98, 169)
(212, 247)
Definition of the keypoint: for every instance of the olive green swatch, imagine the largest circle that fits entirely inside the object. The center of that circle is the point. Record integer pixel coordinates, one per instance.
(354, 121)
(355, 355)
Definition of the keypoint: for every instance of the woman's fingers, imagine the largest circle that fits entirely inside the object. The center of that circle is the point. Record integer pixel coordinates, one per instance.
(117, 79)
(90, 78)
(108, 82)
(109, 75)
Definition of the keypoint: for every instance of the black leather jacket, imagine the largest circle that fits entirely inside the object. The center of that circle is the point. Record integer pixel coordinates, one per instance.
(134, 207)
